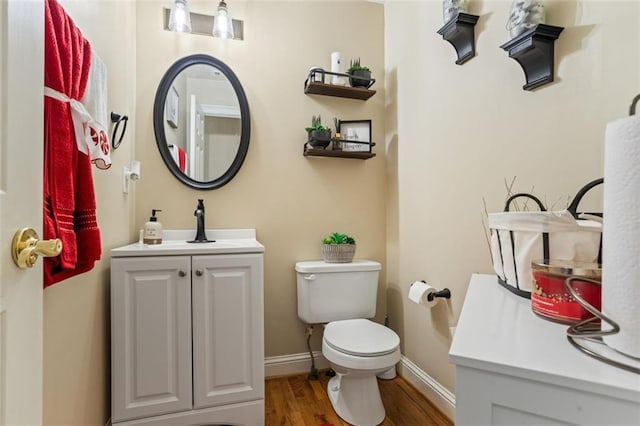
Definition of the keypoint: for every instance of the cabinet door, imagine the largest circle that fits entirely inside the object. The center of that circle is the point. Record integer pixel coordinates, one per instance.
(228, 342)
(150, 336)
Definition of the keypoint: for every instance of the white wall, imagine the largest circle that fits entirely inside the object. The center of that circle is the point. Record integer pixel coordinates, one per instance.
(455, 133)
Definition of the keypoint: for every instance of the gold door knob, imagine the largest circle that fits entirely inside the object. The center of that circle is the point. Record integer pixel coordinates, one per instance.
(26, 247)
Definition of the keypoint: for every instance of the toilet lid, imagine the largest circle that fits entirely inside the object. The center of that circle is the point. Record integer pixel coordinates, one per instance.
(361, 337)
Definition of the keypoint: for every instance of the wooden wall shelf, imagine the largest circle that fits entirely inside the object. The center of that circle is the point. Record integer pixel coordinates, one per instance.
(309, 151)
(338, 154)
(460, 32)
(534, 51)
(317, 88)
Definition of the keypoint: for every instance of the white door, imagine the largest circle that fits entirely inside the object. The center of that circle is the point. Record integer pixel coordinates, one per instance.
(21, 140)
(195, 149)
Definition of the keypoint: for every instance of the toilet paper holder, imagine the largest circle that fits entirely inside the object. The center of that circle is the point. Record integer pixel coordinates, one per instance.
(445, 293)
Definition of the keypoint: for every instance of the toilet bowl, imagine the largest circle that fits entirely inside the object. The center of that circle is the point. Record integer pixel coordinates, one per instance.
(358, 350)
(340, 295)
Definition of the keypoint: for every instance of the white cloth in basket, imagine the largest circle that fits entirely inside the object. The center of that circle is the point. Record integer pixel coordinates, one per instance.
(569, 239)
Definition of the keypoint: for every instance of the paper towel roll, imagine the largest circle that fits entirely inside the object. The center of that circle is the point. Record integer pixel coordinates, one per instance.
(419, 293)
(621, 233)
(336, 66)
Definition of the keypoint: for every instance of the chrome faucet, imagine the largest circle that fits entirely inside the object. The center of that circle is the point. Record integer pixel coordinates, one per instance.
(201, 234)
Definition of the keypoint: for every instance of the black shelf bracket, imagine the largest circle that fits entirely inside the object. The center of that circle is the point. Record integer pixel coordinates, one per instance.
(459, 31)
(534, 51)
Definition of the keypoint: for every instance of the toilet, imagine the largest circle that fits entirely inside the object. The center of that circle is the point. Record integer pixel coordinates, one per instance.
(343, 296)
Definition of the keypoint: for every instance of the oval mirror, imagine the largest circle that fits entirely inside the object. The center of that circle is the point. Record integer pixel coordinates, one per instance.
(201, 121)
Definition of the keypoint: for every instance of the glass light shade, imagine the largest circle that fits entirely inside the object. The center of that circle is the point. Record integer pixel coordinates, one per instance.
(179, 18)
(222, 22)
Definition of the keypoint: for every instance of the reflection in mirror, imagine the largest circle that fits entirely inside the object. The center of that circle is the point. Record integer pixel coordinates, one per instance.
(201, 120)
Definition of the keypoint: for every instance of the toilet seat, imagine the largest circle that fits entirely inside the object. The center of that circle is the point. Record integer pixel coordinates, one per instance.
(361, 337)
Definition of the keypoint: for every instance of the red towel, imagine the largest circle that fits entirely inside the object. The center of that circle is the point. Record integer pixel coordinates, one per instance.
(182, 158)
(69, 198)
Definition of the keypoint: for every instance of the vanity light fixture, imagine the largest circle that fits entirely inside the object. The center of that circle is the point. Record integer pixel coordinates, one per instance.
(201, 24)
(180, 18)
(222, 22)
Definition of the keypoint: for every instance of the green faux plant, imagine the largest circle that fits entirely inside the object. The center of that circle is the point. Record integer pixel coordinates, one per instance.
(316, 124)
(354, 65)
(338, 238)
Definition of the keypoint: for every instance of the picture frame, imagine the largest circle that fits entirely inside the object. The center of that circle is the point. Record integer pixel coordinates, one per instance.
(172, 107)
(356, 130)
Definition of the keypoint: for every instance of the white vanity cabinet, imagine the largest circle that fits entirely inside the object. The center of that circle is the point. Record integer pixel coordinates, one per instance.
(187, 334)
(514, 368)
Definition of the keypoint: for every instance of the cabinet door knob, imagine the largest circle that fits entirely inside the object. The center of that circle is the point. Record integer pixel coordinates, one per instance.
(182, 273)
(199, 272)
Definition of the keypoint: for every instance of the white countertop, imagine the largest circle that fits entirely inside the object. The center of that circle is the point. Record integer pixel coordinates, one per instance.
(174, 243)
(498, 331)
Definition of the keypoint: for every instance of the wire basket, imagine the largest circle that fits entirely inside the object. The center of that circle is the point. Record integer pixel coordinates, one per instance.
(338, 253)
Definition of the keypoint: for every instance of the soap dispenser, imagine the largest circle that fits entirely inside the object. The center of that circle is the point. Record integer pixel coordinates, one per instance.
(152, 230)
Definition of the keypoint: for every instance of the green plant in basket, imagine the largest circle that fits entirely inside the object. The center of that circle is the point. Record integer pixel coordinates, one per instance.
(319, 136)
(359, 75)
(338, 248)
(339, 238)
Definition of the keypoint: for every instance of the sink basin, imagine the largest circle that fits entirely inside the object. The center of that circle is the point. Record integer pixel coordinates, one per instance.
(174, 242)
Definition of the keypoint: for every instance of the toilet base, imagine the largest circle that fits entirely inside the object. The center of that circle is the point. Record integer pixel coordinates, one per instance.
(356, 399)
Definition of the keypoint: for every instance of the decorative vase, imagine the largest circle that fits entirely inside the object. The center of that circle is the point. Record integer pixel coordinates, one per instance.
(360, 78)
(338, 253)
(524, 15)
(451, 8)
(319, 138)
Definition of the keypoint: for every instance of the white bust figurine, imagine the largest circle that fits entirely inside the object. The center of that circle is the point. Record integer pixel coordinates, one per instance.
(450, 8)
(524, 15)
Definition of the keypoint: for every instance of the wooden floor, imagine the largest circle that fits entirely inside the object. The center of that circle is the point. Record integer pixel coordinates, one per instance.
(297, 401)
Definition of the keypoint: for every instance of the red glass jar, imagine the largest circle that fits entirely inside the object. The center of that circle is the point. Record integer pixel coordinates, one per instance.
(551, 299)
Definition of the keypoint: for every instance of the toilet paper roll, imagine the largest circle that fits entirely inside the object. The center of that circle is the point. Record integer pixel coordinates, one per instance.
(336, 66)
(621, 233)
(419, 293)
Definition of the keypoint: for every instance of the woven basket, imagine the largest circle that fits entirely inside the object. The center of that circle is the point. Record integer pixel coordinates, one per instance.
(338, 253)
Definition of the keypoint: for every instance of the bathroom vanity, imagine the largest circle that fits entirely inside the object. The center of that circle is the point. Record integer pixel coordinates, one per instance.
(513, 367)
(187, 344)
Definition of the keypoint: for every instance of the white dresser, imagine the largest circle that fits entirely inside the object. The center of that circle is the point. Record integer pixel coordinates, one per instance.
(515, 368)
(187, 343)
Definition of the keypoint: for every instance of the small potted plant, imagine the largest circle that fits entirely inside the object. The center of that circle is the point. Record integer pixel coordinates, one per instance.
(318, 135)
(359, 76)
(338, 248)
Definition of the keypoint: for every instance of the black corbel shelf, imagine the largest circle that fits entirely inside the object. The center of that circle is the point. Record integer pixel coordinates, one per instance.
(460, 32)
(534, 51)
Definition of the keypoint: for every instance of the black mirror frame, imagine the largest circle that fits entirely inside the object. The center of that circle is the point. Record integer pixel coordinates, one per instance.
(158, 120)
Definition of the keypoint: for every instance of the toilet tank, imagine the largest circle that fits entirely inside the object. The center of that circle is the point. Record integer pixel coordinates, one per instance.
(336, 291)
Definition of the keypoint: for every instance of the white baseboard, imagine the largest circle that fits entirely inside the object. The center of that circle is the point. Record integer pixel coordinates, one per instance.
(284, 365)
(440, 396)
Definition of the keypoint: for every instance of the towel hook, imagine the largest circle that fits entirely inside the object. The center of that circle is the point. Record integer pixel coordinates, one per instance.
(634, 102)
(117, 118)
